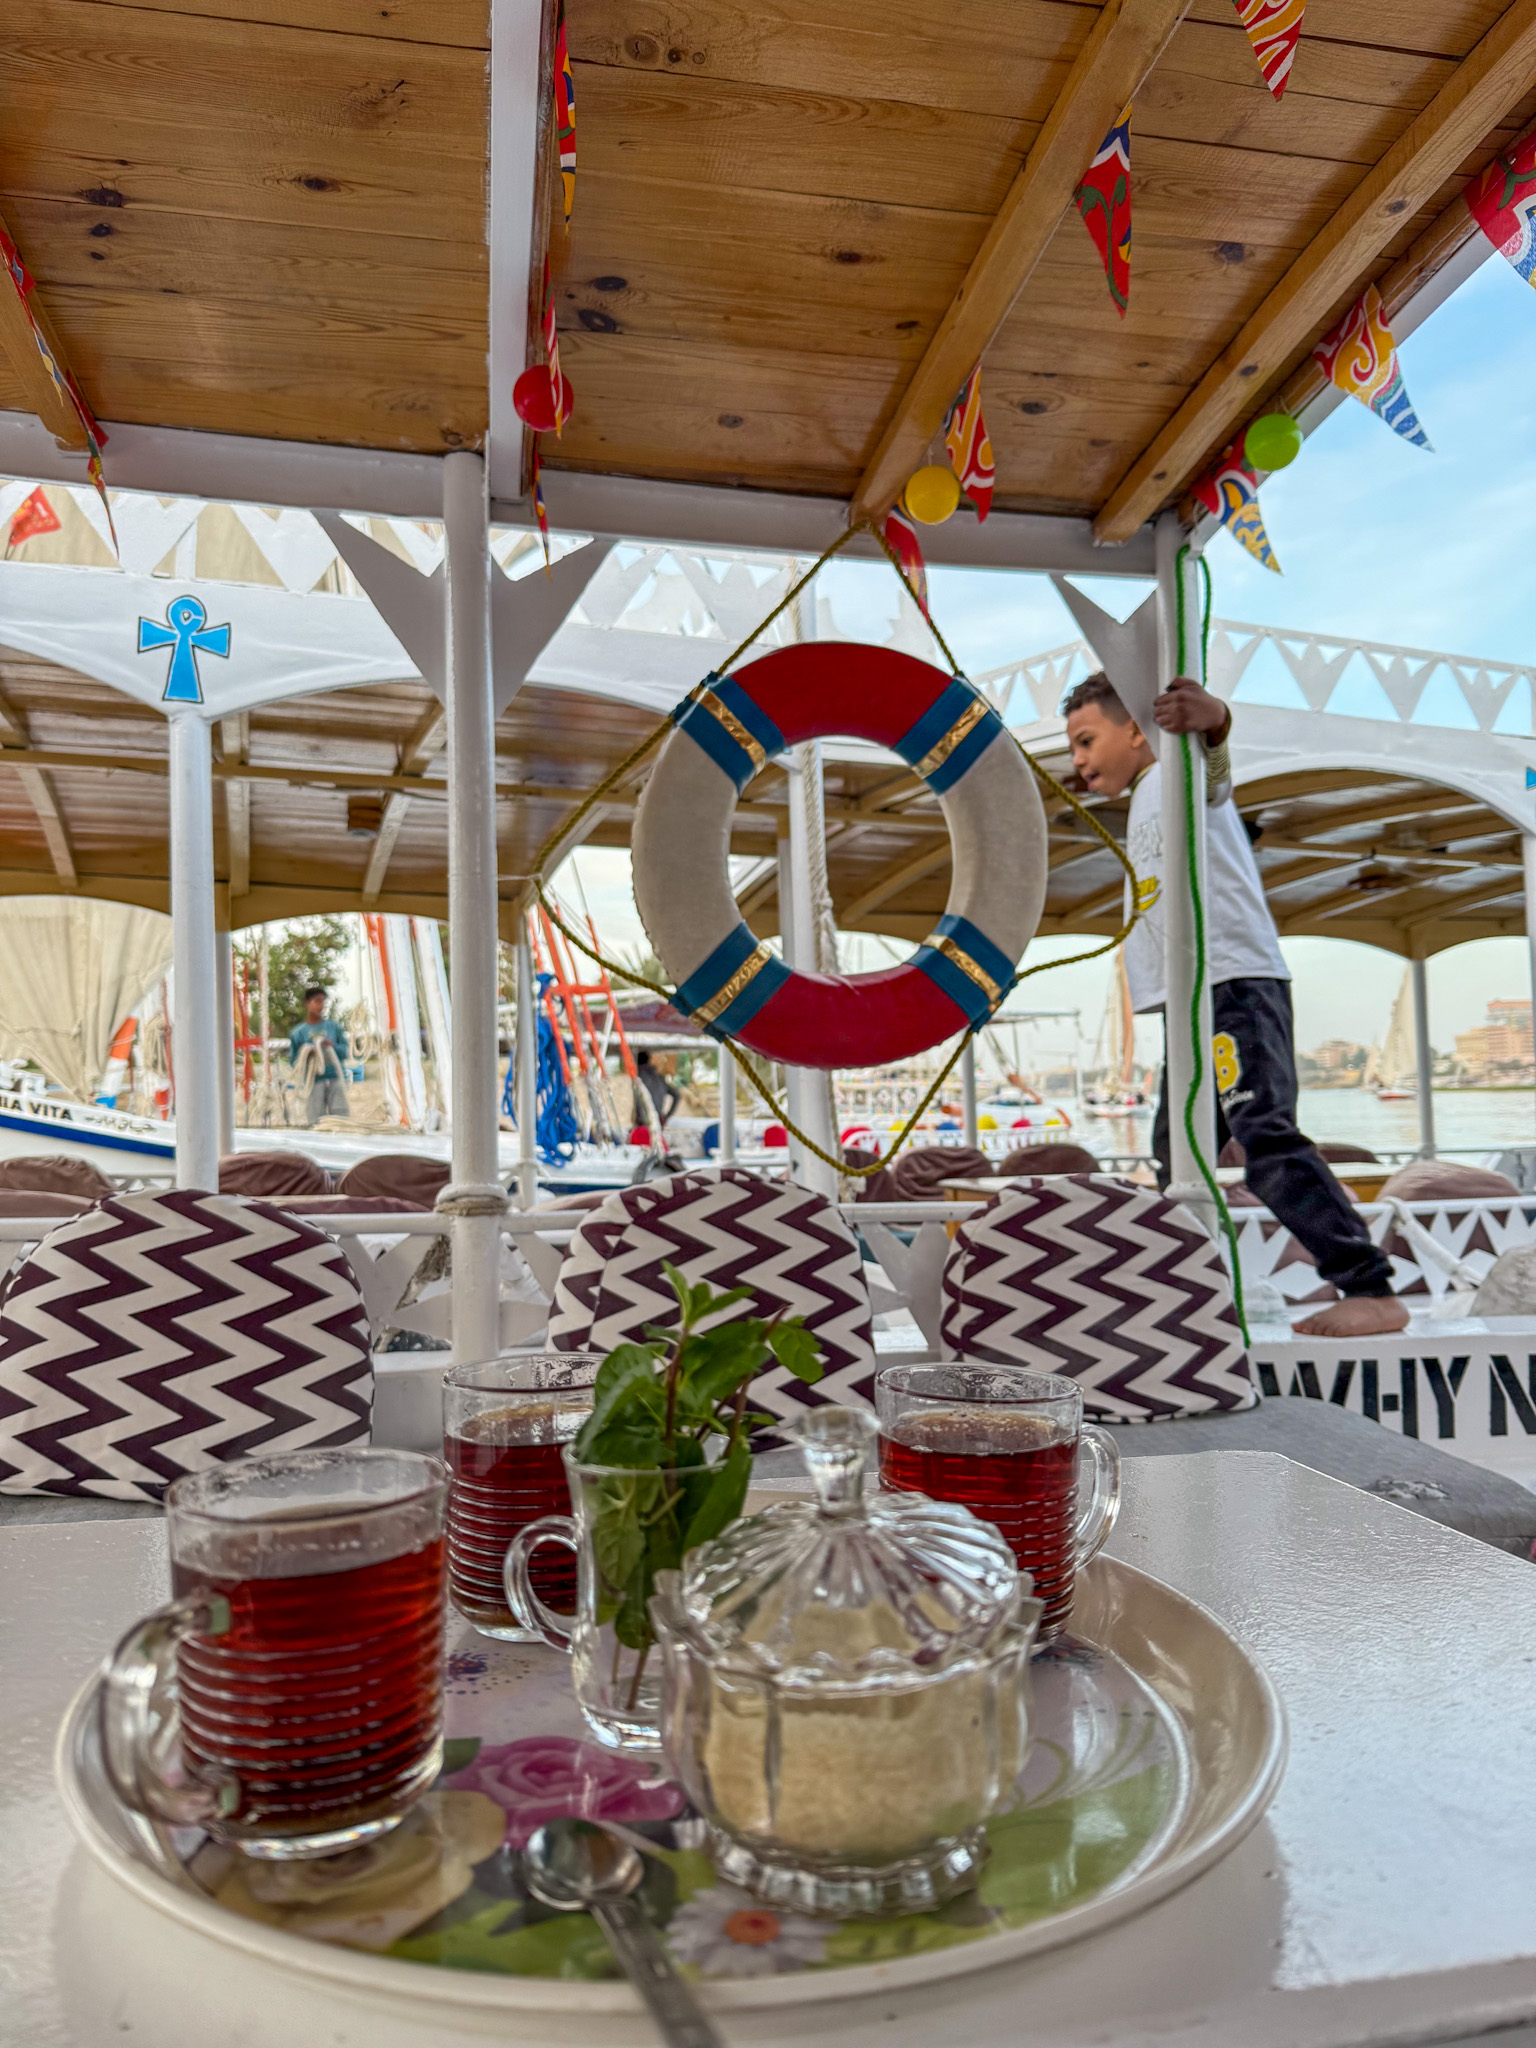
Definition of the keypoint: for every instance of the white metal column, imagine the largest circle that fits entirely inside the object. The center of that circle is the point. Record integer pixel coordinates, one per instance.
(1185, 1184)
(195, 953)
(525, 1080)
(1423, 1061)
(225, 952)
(475, 1197)
(808, 1087)
(970, 1130)
(726, 1067)
(1528, 850)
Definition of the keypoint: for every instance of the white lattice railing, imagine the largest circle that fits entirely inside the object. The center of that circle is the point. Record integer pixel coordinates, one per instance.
(1413, 680)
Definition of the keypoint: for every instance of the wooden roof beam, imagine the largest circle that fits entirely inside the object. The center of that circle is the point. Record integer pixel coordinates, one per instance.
(44, 398)
(1383, 811)
(892, 881)
(1124, 43)
(1482, 90)
(15, 738)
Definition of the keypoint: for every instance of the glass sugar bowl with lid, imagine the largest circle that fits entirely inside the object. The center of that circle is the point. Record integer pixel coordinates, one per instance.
(845, 1687)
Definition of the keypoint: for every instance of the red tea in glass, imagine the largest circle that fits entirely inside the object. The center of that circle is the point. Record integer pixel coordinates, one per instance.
(504, 1426)
(1004, 1443)
(324, 1695)
(301, 1655)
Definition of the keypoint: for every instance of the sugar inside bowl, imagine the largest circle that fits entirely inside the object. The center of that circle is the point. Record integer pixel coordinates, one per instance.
(845, 1687)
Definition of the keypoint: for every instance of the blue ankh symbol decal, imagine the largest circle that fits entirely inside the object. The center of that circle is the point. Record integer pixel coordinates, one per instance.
(189, 634)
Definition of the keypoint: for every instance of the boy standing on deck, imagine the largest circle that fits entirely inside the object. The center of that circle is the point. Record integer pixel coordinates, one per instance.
(1253, 1049)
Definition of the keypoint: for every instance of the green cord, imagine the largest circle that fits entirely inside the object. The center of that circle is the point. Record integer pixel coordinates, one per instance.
(1197, 1068)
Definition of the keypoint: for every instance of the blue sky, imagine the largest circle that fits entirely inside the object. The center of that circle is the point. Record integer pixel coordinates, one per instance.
(1379, 541)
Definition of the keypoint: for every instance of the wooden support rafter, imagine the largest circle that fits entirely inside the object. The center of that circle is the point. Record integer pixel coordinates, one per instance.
(898, 876)
(14, 740)
(1124, 43)
(1482, 90)
(43, 396)
(427, 737)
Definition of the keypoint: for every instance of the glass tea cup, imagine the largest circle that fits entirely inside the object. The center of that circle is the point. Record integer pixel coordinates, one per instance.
(289, 1697)
(1009, 1445)
(504, 1425)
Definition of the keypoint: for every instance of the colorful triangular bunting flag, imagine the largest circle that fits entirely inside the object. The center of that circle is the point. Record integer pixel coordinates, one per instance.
(536, 487)
(968, 447)
(1360, 356)
(552, 354)
(901, 538)
(24, 286)
(565, 115)
(1502, 200)
(1230, 490)
(1274, 29)
(1104, 201)
(32, 517)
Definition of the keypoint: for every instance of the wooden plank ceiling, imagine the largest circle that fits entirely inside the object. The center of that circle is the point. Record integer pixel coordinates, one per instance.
(267, 217)
(258, 217)
(1393, 861)
(776, 206)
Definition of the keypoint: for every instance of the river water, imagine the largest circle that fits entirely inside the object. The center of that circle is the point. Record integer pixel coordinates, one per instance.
(1486, 1119)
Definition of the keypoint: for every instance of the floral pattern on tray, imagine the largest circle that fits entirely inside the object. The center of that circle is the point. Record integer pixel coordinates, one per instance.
(1105, 1786)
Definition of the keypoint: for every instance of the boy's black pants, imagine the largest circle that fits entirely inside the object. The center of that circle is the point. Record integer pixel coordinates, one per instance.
(1255, 1057)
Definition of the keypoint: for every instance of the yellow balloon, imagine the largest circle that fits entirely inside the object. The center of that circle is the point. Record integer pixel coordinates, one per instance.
(986, 1123)
(932, 493)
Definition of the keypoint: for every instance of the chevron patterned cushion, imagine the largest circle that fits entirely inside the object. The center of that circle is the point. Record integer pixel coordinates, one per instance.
(732, 1229)
(163, 1333)
(1114, 1285)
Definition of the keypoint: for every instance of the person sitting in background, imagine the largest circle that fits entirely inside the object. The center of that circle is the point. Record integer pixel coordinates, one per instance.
(328, 1088)
(1253, 1049)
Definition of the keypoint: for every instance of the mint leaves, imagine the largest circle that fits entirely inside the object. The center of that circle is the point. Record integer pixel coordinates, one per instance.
(660, 1411)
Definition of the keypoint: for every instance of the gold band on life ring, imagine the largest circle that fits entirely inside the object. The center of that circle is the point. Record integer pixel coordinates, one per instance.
(940, 942)
(938, 754)
(748, 971)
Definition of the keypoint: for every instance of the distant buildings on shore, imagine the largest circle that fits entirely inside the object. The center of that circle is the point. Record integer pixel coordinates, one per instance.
(1499, 1052)
(1500, 1048)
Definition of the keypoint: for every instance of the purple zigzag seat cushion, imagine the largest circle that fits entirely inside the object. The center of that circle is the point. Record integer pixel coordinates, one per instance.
(159, 1334)
(732, 1229)
(1113, 1285)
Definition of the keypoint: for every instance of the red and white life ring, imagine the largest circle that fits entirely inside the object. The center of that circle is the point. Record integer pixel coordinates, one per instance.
(730, 727)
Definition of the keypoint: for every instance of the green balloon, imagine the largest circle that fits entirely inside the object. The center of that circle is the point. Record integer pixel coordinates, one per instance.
(1273, 441)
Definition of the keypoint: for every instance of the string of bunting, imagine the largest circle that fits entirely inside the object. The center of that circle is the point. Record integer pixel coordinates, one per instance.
(25, 288)
(1229, 491)
(1502, 200)
(1104, 201)
(637, 756)
(1360, 357)
(1274, 29)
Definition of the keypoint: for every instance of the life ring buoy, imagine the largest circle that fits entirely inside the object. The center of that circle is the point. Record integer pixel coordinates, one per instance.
(727, 729)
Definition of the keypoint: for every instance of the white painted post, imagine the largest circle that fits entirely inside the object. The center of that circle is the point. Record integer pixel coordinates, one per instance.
(1185, 1184)
(789, 940)
(811, 1089)
(1423, 1063)
(726, 1065)
(525, 1082)
(1528, 851)
(195, 954)
(225, 952)
(475, 1197)
(971, 1131)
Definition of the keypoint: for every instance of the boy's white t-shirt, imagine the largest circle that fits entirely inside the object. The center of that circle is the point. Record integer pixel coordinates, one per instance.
(1240, 936)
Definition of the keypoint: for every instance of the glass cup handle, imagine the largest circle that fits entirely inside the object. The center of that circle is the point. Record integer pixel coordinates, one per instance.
(141, 1727)
(527, 1608)
(1096, 1515)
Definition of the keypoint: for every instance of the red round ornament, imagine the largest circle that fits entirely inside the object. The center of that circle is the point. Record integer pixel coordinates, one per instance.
(533, 398)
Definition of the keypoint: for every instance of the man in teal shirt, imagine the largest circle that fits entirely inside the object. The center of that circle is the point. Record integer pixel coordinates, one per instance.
(328, 1092)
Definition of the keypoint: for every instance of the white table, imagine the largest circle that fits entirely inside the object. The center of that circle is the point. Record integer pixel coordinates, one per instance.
(1390, 1895)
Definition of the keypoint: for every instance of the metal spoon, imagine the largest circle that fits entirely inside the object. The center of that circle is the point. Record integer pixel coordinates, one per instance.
(578, 1867)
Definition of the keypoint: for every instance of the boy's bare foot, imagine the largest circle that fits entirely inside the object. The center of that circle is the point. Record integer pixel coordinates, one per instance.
(1357, 1315)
